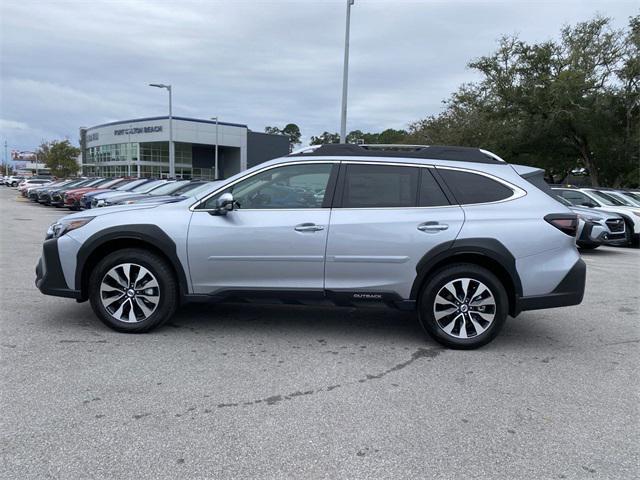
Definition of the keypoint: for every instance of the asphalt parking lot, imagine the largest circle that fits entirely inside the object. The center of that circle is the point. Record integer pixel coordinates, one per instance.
(237, 391)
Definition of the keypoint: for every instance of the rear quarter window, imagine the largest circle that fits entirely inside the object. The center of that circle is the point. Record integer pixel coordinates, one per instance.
(469, 188)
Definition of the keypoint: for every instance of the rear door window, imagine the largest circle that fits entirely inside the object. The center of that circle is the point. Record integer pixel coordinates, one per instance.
(470, 188)
(380, 186)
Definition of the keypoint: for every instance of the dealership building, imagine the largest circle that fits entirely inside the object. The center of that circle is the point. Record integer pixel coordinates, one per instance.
(140, 147)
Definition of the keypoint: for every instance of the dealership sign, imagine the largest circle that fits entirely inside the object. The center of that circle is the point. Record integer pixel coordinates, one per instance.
(17, 155)
(137, 130)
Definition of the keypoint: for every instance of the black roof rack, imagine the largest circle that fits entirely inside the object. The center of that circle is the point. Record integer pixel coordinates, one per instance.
(434, 152)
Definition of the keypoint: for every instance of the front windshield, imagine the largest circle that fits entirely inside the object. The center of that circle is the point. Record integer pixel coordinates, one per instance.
(130, 186)
(626, 199)
(606, 199)
(634, 195)
(146, 187)
(563, 201)
(110, 183)
(95, 183)
(76, 183)
(189, 189)
(168, 188)
(203, 189)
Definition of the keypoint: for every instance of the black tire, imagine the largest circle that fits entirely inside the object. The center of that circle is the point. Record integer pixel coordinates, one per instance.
(588, 246)
(158, 267)
(442, 277)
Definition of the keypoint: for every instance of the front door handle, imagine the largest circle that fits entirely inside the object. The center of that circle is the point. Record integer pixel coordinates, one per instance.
(308, 227)
(432, 227)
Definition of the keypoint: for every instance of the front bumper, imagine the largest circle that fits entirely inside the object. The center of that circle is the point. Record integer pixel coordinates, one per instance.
(72, 202)
(569, 291)
(57, 200)
(49, 276)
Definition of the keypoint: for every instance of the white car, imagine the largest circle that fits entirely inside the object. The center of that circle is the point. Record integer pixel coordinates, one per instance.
(592, 198)
(25, 185)
(14, 180)
(624, 197)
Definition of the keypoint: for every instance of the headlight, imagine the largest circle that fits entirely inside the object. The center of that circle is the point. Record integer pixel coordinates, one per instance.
(63, 226)
(592, 218)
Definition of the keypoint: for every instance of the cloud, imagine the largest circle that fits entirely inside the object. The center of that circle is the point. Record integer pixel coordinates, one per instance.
(6, 124)
(69, 64)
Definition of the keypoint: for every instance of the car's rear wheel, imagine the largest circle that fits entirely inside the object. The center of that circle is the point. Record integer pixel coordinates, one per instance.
(133, 291)
(463, 306)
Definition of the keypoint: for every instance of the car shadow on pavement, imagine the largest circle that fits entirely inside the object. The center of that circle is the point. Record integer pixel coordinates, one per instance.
(331, 324)
(221, 319)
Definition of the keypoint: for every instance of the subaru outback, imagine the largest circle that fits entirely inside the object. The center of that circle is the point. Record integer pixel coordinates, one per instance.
(454, 233)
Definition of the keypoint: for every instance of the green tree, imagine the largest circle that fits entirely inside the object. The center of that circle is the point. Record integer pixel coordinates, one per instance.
(557, 104)
(6, 169)
(59, 157)
(388, 136)
(293, 131)
(325, 138)
(290, 129)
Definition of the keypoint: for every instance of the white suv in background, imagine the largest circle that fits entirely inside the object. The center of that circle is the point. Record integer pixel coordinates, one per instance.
(592, 198)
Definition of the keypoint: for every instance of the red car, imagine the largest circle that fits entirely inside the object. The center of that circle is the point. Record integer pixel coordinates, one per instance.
(72, 197)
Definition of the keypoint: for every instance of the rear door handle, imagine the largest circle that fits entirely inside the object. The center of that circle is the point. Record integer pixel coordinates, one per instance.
(308, 227)
(432, 227)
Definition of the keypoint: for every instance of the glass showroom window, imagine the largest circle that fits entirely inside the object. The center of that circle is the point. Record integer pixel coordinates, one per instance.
(154, 152)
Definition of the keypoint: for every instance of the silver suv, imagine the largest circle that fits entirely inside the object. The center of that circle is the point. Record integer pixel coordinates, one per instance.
(454, 233)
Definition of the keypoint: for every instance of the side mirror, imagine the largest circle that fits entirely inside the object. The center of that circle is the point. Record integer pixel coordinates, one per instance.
(224, 204)
(588, 204)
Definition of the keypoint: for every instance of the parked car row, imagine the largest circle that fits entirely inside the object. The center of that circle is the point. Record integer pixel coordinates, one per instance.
(86, 193)
(608, 216)
(15, 180)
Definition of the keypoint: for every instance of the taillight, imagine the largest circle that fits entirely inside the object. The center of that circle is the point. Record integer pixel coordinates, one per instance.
(565, 222)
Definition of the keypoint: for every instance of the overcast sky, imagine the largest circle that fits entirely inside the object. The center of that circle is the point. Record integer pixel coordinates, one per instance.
(66, 64)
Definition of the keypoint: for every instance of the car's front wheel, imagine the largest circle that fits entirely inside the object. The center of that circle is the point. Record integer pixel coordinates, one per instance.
(463, 306)
(133, 290)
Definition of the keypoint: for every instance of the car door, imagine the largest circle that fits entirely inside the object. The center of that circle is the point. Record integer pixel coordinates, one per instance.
(275, 237)
(386, 218)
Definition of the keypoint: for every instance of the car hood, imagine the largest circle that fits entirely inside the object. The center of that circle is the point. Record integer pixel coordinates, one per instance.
(99, 212)
(110, 193)
(80, 191)
(594, 211)
(149, 199)
(97, 191)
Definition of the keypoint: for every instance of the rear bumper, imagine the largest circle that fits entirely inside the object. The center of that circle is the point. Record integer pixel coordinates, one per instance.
(569, 291)
(49, 276)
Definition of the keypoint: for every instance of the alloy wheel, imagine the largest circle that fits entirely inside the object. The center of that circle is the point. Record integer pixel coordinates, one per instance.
(129, 292)
(464, 308)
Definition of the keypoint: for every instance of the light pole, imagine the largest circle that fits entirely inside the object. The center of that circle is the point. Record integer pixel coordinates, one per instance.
(345, 77)
(172, 152)
(6, 160)
(215, 168)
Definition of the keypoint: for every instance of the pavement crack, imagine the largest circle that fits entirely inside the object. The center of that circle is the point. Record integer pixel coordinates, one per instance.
(623, 342)
(428, 353)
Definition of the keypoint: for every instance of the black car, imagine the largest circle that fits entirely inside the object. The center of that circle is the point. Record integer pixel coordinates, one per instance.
(45, 195)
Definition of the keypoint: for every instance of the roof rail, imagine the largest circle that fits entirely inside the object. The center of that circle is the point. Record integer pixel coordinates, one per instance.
(433, 152)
